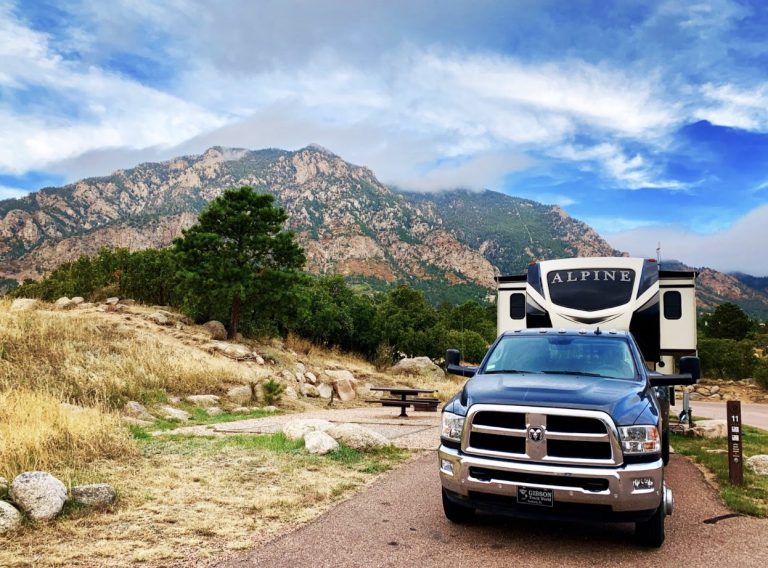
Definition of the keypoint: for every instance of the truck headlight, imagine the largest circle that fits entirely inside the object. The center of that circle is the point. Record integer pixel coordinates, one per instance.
(640, 439)
(452, 426)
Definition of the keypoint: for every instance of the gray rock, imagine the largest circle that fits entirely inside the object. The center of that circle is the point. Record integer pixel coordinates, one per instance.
(709, 429)
(136, 421)
(39, 494)
(357, 437)
(290, 393)
(340, 375)
(297, 429)
(325, 390)
(241, 409)
(288, 376)
(309, 390)
(63, 303)
(171, 413)
(216, 329)
(94, 495)
(10, 518)
(127, 302)
(137, 410)
(269, 408)
(344, 390)
(419, 366)
(112, 301)
(318, 442)
(758, 464)
(86, 305)
(214, 411)
(714, 390)
(77, 300)
(203, 400)
(259, 359)
(159, 318)
(240, 395)
(231, 350)
(310, 377)
(24, 304)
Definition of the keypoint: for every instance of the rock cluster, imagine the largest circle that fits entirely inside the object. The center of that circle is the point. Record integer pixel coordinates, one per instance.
(322, 436)
(420, 367)
(41, 497)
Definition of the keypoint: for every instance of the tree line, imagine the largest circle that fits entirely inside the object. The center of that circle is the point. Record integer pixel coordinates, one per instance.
(239, 265)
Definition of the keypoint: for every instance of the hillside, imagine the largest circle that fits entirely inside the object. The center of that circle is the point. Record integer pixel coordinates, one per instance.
(449, 244)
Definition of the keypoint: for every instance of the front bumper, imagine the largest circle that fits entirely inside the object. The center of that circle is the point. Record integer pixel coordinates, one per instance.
(609, 493)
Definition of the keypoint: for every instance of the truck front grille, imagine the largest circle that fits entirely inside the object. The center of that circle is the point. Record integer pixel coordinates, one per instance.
(552, 435)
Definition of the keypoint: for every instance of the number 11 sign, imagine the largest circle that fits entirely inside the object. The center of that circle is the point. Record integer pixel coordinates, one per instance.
(735, 457)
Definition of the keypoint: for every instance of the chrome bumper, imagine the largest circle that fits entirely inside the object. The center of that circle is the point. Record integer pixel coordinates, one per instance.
(620, 495)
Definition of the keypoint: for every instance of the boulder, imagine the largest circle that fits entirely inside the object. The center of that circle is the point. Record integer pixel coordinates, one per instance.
(288, 376)
(357, 437)
(231, 350)
(159, 318)
(310, 377)
(309, 390)
(10, 518)
(203, 400)
(296, 429)
(300, 368)
(259, 359)
(240, 395)
(214, 411)
(714, 390)
(39, 494)
(216, 329)
(318, 442)
(171, 413)
(290, 393)
(86, 305)
(344, 390)
(24, 304)
(340, 375)
(130, 420)
(325, 390)
(419, 366)
(709, 429)
(94, 495)
(269, 408)
(137, 410)
(112, 301)
(77, 300)
(63, 303)
(758, 464)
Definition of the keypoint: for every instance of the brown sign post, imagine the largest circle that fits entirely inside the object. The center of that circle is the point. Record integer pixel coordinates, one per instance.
(735, 458)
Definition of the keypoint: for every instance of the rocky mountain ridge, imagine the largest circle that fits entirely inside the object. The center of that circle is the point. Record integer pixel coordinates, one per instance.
(346, 219)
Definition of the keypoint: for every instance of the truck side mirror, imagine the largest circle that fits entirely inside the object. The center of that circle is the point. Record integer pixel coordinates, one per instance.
(691, 366)
(452, 360)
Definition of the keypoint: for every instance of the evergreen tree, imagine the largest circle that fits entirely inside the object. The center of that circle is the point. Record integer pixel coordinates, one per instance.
(237, 243)
(728, 322)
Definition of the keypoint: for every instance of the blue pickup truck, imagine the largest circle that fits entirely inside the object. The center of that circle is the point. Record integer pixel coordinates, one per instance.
(560, 424)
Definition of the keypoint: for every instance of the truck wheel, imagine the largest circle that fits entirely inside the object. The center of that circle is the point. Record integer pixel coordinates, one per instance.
(665, 446)
(455, 512)
(650, 533)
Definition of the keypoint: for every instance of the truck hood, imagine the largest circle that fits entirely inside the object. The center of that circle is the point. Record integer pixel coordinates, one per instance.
(623, 400)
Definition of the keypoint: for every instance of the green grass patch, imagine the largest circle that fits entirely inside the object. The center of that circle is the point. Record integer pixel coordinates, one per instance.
(752, 497)
(200, 417)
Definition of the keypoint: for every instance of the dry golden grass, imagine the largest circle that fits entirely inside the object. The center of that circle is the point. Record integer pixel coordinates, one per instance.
(93, 359)
(37, 432)
(193, 498)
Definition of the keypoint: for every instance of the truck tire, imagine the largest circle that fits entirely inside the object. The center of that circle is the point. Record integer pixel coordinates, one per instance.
(455, 512)
(665, 446)
(650, 533)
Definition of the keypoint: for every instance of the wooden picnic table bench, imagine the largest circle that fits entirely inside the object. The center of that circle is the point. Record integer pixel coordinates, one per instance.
(407, 397)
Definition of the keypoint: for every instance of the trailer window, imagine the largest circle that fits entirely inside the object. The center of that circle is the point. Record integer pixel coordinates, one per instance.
(673, 305)
(517, 306)
(591, 289)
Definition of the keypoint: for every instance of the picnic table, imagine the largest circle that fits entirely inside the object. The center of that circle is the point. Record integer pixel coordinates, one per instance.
(407, 397)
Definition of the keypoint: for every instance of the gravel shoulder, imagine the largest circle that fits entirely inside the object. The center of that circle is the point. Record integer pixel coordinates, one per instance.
(398, 521)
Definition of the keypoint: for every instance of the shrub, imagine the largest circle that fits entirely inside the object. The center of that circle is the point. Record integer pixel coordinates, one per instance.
(273, 391)
(761, 372)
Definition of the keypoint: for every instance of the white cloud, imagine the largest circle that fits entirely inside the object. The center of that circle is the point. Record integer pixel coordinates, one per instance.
(741, 247)
(80, 108)
(12, 192)
(729, 105)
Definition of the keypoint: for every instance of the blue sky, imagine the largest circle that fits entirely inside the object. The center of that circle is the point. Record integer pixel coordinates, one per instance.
(648, 120)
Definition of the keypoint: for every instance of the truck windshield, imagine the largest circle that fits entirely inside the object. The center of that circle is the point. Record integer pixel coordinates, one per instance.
(588, 355)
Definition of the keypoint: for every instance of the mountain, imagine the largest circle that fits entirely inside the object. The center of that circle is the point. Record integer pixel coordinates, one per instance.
(449, 244)
(756, 282)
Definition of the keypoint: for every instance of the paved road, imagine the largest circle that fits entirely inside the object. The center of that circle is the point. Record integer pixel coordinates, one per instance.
(751, 414)
(398, 521)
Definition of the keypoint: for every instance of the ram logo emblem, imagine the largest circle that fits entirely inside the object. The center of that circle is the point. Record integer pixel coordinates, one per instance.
(536, 434)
